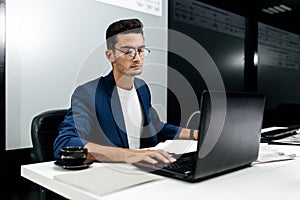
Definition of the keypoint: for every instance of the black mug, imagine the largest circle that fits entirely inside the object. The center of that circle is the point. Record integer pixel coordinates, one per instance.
(73, 155)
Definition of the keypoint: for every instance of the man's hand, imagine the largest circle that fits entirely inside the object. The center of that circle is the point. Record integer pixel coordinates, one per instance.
(102, 153)
(150, 156)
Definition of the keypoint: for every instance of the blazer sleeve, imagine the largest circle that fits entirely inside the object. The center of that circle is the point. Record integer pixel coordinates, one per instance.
(165, 131)
(79, 121)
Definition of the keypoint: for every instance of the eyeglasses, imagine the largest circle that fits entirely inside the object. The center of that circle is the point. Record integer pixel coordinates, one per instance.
(131, 52)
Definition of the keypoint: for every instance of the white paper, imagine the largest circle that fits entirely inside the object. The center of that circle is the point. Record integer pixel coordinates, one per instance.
(107, 179)
(269, 153)
(153, 7)
(178, 146)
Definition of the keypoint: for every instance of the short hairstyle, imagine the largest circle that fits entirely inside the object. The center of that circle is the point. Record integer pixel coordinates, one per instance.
(124, 26)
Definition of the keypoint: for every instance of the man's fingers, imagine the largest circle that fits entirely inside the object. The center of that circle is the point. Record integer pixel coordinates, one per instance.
(162, 156)
(167, 155)
(150, 160)
(151, 156)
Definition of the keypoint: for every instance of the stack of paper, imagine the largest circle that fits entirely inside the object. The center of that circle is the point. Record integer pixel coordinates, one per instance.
(106, 179)
(269, 153)
(178, 146)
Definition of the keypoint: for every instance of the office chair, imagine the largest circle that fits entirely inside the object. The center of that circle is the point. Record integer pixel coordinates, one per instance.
(44, 130)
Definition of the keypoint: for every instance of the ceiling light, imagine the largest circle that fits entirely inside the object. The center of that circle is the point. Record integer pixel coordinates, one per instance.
(279, 8)
(285, 7)
(267, 11)
(273, 10)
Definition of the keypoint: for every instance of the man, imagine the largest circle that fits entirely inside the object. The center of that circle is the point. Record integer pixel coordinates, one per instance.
(112, 116)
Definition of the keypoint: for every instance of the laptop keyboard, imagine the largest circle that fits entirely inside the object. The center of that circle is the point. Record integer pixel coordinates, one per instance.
(182, 165)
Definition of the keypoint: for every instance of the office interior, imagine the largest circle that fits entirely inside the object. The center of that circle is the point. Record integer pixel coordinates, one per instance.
(254, 44)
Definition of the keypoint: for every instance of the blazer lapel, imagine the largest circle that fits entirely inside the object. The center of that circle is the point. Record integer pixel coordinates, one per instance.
(148, 136)
(118, 135)
(116, 110)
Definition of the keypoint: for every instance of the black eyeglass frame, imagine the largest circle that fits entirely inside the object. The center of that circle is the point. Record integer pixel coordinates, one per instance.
(133, 52)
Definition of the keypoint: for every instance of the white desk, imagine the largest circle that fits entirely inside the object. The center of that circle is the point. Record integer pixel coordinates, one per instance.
(276, 181)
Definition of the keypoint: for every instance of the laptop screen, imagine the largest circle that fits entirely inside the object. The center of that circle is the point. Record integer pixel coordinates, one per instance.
(229, 137)
(230, 128)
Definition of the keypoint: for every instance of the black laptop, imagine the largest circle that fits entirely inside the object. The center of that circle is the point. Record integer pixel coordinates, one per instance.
(229, 137)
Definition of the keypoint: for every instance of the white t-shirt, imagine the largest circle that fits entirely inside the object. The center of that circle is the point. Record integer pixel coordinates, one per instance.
(133, 116)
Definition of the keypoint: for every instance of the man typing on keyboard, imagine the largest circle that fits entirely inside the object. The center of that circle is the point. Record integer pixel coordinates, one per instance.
(112, 116)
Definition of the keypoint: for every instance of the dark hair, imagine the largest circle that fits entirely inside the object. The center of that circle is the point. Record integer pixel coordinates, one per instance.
(124, 26)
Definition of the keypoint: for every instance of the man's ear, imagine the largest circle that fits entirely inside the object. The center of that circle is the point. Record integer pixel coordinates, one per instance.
(109, 55)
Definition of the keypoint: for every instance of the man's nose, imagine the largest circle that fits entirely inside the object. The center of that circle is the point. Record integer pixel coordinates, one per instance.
(137, 56)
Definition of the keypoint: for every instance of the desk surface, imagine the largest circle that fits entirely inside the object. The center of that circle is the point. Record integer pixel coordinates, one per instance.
(275, 180)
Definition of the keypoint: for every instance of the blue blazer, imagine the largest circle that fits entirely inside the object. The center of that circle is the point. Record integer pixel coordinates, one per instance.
(96, 116)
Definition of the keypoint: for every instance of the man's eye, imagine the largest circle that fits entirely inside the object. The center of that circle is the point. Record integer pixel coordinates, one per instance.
(141, 50)
(130, 51)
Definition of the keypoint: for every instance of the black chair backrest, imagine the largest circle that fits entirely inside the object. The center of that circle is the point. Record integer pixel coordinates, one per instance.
(44, 130)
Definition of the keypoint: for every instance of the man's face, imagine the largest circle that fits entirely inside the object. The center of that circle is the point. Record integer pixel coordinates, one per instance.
(124, 64)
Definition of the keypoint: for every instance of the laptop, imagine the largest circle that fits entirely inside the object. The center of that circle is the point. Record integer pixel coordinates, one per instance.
(229, 137)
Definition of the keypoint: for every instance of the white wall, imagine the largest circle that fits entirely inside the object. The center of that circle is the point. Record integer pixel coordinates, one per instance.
(54, 45)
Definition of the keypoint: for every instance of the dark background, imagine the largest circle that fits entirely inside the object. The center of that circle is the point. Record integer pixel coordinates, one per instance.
(278, 84)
